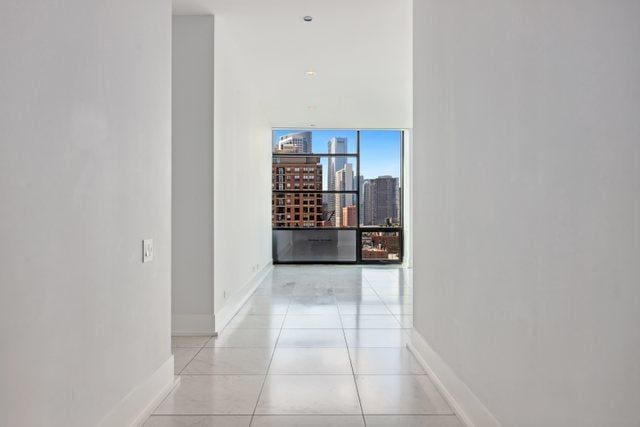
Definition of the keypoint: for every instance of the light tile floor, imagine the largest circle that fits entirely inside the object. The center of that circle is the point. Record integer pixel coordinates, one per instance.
(313, 346)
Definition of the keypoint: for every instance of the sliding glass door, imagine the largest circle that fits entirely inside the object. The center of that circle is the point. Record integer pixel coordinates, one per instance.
(337, 196)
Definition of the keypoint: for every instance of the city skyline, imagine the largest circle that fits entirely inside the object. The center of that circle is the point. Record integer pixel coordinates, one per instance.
(380, 150)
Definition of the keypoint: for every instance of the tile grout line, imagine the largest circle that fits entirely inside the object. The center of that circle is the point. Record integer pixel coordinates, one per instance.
(353, 372)
(387, 306)
(266, 374)
(175, 375)
(195, 355)
(354, 375)
(402, 328)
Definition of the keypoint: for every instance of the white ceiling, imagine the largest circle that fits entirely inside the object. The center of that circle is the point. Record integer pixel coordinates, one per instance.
(360, 49)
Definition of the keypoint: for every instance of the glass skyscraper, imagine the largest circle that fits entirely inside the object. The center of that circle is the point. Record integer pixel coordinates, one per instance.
(335, 145)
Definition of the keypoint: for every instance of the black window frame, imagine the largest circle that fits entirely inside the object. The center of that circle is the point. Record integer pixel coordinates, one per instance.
(359, 228)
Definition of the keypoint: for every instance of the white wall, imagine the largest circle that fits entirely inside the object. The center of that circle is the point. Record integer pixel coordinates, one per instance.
(192, 184)
(242, 173)
(85, 175)
(241, 162)
(527, 204)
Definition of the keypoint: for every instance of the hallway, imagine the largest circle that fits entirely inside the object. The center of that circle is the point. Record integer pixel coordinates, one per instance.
(314, 345)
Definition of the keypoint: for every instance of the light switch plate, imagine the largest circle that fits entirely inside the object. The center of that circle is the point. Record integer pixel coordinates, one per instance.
(147, 250)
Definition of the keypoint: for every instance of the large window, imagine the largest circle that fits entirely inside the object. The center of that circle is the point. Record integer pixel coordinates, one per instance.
(337, 195)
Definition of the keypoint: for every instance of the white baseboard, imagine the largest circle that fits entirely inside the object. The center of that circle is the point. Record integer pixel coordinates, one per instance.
(235, 302)
(464, 402)
(140, 402)
(192, 324)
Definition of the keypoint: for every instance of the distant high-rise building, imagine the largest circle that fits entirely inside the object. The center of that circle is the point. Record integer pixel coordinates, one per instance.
(361, 201)
(365, 202)
(295, 143)
(335, 145)
(381, 200)
(387, 197)
(344, 181)
(296, 209)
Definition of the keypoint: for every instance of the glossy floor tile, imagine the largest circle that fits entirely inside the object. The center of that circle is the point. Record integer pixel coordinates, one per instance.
(384, 361)
(243, 338)
(256, 321)
(339, 291)
(396, 299)
(370, 321)
(213, 394)
(317, 300)
(400, 394)
(230, 360)
(310, 361)
(399, 309)
(358, 299)
(313, 346)
(182, 356)
(405, 320)
(308, 421)
(183, 342)
(264, 308)
(312, 321)
(313, 309)
(198, 421)
(360, 309)
(309, 394)
(376, 337)
(312, 338)
(413, 421)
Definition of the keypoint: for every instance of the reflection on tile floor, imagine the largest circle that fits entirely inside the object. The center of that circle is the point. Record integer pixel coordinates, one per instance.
(313, 346)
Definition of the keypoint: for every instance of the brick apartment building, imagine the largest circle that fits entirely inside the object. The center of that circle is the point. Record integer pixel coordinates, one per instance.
(380, 245)
(349, 216)
(303, 210)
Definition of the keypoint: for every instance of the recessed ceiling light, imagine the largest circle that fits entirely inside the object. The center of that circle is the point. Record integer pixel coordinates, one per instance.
(308, 18)
(311, 107)
(310, 73)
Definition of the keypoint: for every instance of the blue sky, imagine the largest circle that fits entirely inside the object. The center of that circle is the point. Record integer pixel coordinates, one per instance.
(380, 152)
